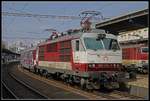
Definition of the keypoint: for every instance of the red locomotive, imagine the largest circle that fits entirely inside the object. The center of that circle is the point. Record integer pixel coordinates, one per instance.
(91, 59)
(134, 45)
(136, 56)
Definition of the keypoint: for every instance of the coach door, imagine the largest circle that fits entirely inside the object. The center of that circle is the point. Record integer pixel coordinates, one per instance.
(78, 51)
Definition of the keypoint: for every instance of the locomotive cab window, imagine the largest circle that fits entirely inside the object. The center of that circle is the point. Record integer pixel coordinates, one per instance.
(144, 49)
(77, 45)
(114, 45)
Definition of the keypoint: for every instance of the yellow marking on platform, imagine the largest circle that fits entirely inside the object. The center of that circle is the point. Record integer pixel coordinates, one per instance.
(141, 82)
(116, 95)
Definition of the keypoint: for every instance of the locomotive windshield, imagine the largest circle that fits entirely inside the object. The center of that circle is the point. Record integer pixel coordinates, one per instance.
(106, 43)
(145, 49)
(110, 44)
(92, 43)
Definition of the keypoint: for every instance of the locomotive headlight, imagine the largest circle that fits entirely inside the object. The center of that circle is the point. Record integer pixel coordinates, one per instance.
(89, 65)
(93, 65)
(113, 74)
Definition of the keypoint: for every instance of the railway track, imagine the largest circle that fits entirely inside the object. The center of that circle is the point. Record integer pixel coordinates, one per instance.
(17, 88)
(124, 95)
(7, 93)
(62, 86)
(90, 95)
(94, 95)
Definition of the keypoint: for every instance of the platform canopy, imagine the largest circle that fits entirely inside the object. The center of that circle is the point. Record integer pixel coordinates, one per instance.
(127, 22)
(3, 50)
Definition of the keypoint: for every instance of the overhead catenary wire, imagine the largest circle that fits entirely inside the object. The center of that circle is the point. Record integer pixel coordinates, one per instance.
(105, 6)
(22, 38)
(21, 13)
(37, 18)
(42, 16)
(12, 21)
(15, 17)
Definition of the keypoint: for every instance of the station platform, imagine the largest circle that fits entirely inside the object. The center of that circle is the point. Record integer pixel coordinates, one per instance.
(140, 86)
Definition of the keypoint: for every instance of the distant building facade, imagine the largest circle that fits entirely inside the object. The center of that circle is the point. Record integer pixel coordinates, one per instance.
(140, 34)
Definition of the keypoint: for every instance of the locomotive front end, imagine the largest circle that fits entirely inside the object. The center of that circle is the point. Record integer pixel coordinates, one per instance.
(103, 60)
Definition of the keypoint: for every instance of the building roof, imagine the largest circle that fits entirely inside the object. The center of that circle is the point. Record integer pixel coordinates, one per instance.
(130, 21)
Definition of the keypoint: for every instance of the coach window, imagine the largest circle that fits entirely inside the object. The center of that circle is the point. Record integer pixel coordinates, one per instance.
(77, 45)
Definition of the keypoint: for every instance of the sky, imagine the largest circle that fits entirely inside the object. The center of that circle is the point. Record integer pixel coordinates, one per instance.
(30, 29)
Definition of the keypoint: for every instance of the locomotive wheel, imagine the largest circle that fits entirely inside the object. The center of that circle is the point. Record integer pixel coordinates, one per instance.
(42, 73)
(82, 84)
(49, 76)
(144, 71)
(39, 72)
(132, 75)
(45, 73)
(89, 87)
(66, 81)
(35, 70)
(71, 83)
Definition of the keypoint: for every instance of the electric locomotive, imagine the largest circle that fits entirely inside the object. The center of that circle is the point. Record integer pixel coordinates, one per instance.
(92, 59)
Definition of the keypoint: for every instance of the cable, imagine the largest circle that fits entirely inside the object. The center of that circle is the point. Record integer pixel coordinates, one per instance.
(38, 19)
(15, 17)
(22, 38)
(41, 16)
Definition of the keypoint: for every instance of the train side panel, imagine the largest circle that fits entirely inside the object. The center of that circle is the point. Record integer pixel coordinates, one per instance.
(134, 56)
(56, 55)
